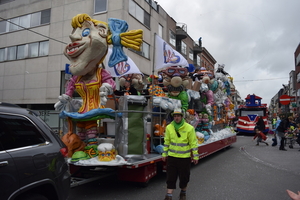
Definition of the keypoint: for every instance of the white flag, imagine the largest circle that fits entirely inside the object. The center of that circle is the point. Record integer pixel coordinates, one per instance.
(122, 68)
(166, 56)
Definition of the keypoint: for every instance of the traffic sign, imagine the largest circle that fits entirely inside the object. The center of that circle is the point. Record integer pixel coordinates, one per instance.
(285, 99)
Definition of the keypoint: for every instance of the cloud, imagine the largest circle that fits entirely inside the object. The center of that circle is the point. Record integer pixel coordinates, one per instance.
(256, 39)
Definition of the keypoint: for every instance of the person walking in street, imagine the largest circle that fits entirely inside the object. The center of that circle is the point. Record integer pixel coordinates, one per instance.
(278, 139)
(281, 130)
(180, 144)
(260, 124)
(260, 137)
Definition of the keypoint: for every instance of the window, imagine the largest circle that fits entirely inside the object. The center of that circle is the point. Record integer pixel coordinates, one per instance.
(3, 26)
(17, 131)
(298, 78)
(146, 19)
(13, 25)
(172, 38)
(139, 13)
(160, 30)
(25, 51)
(154, 5)
(11, 53)
(33, 50)
(22, 52)
(45, 16)
(5, 1)
(35, 19)
(198, 61)
(100, 6)
(25, 21)
(44, 48)
(183, 48)
(146, 50)
(136, 11)
(191, 54)
(2, 55)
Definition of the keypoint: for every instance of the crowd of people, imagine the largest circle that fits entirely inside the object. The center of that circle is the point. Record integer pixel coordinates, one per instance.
(286, 128)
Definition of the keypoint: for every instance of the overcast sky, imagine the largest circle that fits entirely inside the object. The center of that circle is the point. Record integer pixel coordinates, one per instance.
(255, 39)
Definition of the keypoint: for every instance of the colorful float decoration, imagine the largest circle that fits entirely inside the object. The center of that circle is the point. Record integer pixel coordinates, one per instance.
(88, 48)
(86, 52)
(210, 93)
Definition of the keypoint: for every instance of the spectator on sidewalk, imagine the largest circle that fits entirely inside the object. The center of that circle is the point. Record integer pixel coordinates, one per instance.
(297, 119)
(276, 132)
(282, 129)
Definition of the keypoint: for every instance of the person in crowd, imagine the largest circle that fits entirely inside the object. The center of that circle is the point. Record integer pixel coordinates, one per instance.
(274, 120)
(277, 137)
(282, 129)
(292, 122)
(194, 75)
(154, 89)
(127, 89)
(260, 137)
(260, 124)
(297, 119)
(180, 144)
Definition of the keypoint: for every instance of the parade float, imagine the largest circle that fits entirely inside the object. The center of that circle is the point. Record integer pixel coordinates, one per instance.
(131, 144)
(249, 113)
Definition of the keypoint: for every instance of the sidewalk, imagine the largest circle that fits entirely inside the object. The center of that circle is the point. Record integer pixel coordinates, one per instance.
(285, 160)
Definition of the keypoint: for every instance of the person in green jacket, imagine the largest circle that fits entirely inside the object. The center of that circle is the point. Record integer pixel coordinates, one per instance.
(180, 149)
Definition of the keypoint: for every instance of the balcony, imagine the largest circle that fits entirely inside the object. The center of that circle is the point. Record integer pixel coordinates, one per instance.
(181, 30)
(196, 48)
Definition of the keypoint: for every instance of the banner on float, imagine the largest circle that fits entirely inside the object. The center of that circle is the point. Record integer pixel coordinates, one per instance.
(122, 68)
(166, 56)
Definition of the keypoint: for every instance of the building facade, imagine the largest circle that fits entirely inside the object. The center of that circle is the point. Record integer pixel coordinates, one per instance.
(34, 33)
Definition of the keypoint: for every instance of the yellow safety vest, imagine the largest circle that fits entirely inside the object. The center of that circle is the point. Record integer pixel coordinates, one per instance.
(183, 146)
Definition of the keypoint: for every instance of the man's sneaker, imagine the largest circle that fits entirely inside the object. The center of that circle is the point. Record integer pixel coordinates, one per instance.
(182, 196)
(267, 144)
(257, 144)
(168, 197)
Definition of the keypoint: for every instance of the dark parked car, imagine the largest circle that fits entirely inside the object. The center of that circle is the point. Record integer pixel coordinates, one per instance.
(32, 157)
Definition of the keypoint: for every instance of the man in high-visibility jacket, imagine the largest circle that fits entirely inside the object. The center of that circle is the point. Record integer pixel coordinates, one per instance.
(180, 149)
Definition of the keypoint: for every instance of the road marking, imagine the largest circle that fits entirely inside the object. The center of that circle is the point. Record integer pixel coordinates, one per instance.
(243, 151)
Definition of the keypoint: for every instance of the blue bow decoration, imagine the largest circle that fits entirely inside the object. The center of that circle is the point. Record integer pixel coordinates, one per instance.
(117, 26)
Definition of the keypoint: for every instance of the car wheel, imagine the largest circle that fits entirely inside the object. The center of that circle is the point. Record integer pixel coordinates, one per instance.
(33, 196)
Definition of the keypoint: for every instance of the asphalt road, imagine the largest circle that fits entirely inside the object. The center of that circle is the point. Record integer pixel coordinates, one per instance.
(242, 172)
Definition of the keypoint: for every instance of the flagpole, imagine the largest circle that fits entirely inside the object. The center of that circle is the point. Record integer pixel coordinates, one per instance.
(151, 104)
(154, 46)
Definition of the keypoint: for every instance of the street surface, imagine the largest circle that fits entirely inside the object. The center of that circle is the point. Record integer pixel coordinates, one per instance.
(242, 172)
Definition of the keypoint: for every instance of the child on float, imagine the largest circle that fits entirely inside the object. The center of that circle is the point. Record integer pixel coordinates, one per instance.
(261, 137)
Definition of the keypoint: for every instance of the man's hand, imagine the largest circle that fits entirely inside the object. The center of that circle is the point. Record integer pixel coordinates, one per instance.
(164, 159)
(293, 195)
(195, 161)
